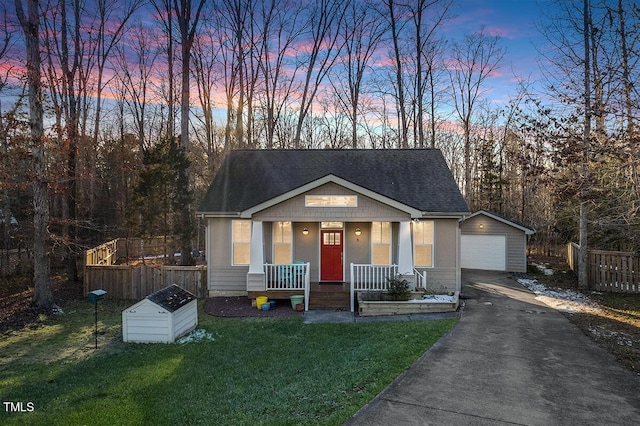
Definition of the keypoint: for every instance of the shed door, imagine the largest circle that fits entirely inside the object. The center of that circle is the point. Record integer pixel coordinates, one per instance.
(331, 244)
(487, 252)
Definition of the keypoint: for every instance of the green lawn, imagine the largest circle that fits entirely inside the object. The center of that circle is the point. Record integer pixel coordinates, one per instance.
(254, 371)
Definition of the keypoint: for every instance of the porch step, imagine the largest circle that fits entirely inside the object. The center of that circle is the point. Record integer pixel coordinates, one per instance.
(327, 300)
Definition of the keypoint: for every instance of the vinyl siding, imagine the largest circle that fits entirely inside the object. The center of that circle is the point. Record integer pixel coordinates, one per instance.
(295, 210)
(444, 275)
(222, 276)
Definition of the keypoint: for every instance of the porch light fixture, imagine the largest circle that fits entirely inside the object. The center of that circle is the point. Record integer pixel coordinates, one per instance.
(481, 226)
(305, 231)
(358, 232)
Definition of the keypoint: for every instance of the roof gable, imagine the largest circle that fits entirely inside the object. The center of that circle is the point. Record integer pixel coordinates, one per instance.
(417, 179)
(322, 181)
(526, 229)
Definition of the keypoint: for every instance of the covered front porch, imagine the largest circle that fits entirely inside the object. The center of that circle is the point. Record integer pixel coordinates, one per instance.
(282, 281)
(332, 260)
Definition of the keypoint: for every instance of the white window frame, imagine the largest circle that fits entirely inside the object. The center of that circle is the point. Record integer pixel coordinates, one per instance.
(239, 240)
(285, 238)
(345, 201)
(382, 241)
(419, 241)
(332, 225)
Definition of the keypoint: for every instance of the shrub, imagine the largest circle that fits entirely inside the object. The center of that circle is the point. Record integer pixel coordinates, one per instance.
(398, 288)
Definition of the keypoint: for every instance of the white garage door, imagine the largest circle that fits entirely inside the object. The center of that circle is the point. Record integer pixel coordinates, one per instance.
(483, 252)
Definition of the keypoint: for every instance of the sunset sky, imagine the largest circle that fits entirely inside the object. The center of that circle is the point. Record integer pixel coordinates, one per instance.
(514, 20)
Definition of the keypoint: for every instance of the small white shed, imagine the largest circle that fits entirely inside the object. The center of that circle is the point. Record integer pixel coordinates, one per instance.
(161, 317)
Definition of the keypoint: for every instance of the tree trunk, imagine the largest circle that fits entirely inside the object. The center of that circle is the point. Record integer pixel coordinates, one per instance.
(402, 112)
(584, 190)
(42, 294)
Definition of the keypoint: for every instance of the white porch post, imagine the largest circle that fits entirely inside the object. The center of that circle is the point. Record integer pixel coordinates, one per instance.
(256, 251)
(255, 277)
(405, 251)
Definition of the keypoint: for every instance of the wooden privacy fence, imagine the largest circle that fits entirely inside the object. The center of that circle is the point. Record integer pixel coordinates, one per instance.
(137, 282)
(610, 271)
(130, 248)
(133, 248)
(614, 271)
(104, 254)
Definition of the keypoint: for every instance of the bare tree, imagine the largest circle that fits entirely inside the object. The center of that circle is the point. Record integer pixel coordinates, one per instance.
(164, 8)
(586, 149)
(205, 61)
(435, 72)
(362, 30)
(235, 16)
(134, 71)
(30, 23)
(188, 17)
(427, 17)
(325, 18)
(71, 60)
(396, 26)
(280, 30)
(472, 63)
(106, 42)
(5, 124)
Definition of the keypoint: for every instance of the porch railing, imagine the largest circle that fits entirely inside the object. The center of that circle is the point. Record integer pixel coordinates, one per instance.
(293, 276)
(421, 278)
(365, 277)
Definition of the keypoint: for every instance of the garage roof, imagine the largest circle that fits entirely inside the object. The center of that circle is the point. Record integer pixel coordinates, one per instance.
(524, 228)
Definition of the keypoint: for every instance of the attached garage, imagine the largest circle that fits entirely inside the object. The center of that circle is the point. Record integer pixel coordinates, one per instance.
(492, 242)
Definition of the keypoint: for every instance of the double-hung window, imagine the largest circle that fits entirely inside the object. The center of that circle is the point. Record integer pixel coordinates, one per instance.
(241, 237)
(381, 243)
(423, 244)
(282, 251)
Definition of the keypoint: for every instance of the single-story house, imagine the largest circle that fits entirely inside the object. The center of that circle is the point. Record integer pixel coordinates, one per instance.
(492, 242)
(283, 222)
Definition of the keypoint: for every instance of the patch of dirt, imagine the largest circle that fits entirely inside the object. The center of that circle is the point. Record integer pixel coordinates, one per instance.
(623, 342)
(615, 326)
(15, 301)
(241, 307)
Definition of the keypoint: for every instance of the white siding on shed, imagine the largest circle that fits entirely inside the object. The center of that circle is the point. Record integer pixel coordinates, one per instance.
(147, 322)
(484, 252)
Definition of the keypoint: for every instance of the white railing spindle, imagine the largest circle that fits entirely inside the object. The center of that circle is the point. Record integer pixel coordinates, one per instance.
(366, 277)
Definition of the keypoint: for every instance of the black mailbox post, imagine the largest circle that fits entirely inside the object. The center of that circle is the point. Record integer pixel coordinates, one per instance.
(94, 297)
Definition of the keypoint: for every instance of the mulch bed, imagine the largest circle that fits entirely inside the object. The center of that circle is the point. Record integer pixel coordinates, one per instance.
(241, 307)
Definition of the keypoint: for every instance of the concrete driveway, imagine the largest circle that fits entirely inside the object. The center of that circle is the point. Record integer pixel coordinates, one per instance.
(510, 360)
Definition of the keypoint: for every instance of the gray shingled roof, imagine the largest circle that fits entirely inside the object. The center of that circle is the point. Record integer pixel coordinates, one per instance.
(419, 178)
(171, 298)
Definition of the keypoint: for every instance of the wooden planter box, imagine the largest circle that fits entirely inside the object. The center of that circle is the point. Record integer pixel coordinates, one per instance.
(415, 305)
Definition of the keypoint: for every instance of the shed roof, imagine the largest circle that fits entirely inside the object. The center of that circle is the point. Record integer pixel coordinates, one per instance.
(171, 298)
(419, 178)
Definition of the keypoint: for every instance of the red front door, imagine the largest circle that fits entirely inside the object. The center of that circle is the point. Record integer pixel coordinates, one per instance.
(331, 243)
